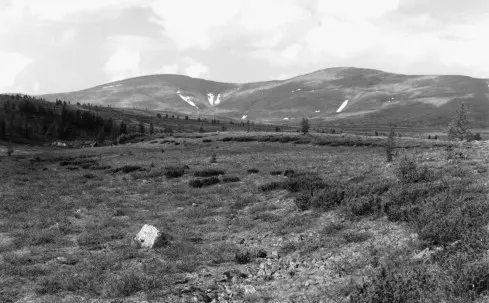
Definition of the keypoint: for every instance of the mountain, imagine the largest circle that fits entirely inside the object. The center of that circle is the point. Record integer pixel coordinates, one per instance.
(335, 96)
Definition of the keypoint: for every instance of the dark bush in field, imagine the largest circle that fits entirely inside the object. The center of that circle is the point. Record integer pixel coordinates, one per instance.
(207, 140)
(289, 172)
(209, 172)
(172, 172)
(230, 179)
(252, 171)
(409, 172)
(128, 169)
(330, 196)
(243, 258)
(198, 183)
(276, 172)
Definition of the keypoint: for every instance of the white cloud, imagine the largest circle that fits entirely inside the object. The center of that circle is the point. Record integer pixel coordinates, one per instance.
(123, 64)
(356, 9)
(63, 10)
(195, 69)
(11, 64)
(169, 69)
(194, 23)
(292, 51)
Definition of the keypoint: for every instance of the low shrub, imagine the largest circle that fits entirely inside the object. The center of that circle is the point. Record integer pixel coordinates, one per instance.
(209, 172)
(276, 172)
(172, 172)
(230, 179)
(409, 172)
(128, 169)
(356, 237)
(198, 183)
(408, 283)
(243, 257)
(207, 140)
(252, 171)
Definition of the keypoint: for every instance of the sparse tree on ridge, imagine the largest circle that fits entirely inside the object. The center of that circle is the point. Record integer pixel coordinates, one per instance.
(304, 126)
(390, 145)
(459, 127)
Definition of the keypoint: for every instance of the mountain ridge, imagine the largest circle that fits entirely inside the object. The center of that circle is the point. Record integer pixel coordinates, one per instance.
(371, 94)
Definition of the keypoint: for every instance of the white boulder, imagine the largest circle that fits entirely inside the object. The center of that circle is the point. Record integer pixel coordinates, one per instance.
(148, 237)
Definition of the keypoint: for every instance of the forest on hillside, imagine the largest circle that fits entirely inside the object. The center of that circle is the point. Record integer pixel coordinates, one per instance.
(25, 119)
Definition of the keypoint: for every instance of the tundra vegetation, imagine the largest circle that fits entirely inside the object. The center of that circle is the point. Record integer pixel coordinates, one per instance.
(278, 218)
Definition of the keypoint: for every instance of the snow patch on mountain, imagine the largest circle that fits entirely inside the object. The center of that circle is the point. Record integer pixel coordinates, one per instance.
(318, 111)
(111, 86)
(244, 117)
(342, 107)
(186, 99)
(212, 100)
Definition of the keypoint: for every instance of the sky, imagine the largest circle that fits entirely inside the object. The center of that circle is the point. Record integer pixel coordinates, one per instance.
(49, 46)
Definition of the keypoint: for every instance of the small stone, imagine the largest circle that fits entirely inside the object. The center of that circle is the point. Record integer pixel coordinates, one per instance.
(249, 290)
(274, 254)
(148, 236)
(194, 204)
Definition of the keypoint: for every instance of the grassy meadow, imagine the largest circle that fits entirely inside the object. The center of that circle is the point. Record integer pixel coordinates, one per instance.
(255, 217)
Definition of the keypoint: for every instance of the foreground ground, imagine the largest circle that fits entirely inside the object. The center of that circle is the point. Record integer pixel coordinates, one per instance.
(68, 217)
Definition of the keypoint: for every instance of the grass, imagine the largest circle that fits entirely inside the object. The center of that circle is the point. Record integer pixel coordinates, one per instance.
(322, 203)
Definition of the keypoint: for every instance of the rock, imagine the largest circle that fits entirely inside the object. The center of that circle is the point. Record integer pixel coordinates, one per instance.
(249, 290)
(149, 236)
(274, 254)
(194, 204)
(426, 253)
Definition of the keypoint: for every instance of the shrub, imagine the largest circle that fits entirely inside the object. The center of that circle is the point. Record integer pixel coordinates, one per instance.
(409, 172)
(128, 168)
(209, 172)
(356, 237)
(125, 284)
(363, 205)
(329, 197)
(289, 172)
(276, 172)
(408, 283)
(243, 258)
(272, 186)
(172, 172)
(198, 183)
(207, 140)
(252, 171)
(230, 179)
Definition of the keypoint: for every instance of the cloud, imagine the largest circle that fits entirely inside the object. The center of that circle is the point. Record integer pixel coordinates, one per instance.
(11, 64)
(191, 23)
(355, 9)
(123, 64)
(64, 10)
(169, 69)
(195, 69)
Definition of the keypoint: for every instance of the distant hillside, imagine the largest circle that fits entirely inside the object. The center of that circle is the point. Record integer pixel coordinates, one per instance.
(336, 96)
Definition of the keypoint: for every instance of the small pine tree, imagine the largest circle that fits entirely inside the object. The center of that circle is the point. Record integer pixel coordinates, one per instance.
(304, 126)
(277, 129)
(141, 127)
(459, 127)
(248, 126)
(201, 130)
(10, 149)
(390, 145)
(158, 116)
(151, 128)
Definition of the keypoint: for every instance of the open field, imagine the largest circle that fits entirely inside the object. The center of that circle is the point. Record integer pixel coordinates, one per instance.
(256, 217)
